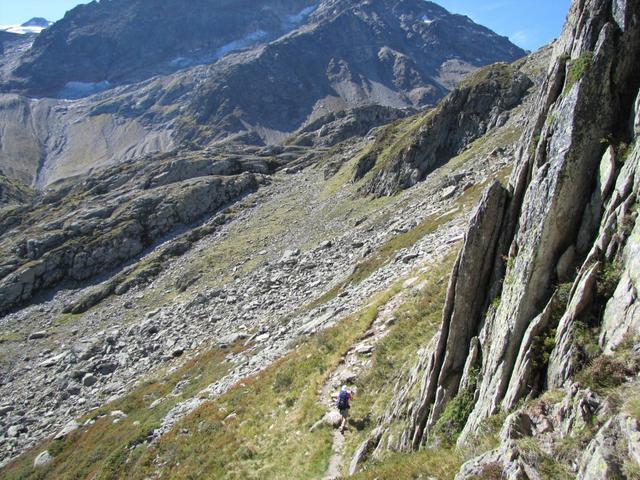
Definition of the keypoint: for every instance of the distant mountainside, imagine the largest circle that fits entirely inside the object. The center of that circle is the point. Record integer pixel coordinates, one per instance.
(394, 53)
(129, 40)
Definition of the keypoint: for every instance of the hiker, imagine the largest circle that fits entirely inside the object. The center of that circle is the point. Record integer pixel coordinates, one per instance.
(344, 399)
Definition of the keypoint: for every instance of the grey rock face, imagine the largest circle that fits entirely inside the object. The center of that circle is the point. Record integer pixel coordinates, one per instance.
(551, 424)
(461, 315)
(43, 459)
(622, 313)
(547, 224)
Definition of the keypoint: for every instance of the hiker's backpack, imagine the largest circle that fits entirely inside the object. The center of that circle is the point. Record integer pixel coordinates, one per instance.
(343, 401)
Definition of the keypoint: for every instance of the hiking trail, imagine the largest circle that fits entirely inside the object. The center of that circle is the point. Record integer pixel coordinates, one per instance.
(353, 364)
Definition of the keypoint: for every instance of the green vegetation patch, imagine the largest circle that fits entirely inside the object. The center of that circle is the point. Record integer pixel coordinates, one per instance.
(390, 142)
(576, 70)
(608, 279)
(606, 372)
(501, 73)
(454, 417)
(441, 463)
(548, 467)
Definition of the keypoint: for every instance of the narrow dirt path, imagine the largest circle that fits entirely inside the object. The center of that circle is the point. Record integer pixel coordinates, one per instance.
(354, 364)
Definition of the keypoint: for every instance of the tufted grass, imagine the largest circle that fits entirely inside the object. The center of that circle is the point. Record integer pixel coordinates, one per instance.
(440, 463)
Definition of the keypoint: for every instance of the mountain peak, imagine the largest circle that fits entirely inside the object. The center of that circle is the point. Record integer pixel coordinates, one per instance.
(37, 22)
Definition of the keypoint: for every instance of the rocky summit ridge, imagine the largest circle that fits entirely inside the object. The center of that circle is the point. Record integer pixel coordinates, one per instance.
(189, 305)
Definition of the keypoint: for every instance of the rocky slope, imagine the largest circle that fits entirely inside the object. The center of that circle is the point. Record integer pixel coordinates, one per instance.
(172, 272)
(554, 254)
(246, 274)
(189, 314)
(483, 101)
(128, 208)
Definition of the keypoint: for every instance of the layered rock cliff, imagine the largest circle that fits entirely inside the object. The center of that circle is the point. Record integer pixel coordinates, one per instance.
(544, 289)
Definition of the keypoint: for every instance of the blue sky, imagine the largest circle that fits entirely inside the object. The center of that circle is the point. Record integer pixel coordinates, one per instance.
(19, 11)
(528, 23)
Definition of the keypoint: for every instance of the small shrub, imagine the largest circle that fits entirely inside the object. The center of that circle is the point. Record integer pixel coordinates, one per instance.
(605, 372)
(631, 470)
(509, 261)
(495, 303)
(627, 224)
(491, 471)
(542, 347)
(608, 279)
(585, 338)
(623, 151)
(282, 381)
(605, 140)
(454, 417)
(633, 408)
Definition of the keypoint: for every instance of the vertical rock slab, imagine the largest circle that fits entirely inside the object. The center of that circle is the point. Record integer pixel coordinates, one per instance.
(466, 298)
(563, 178)
(622, 314)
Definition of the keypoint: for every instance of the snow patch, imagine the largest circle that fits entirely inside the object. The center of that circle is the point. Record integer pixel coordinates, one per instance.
(241, 43)
(35, 25)
(20, 30)
(426, 20)
(73, 90)
(301, 15)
